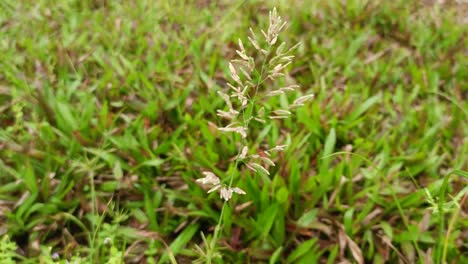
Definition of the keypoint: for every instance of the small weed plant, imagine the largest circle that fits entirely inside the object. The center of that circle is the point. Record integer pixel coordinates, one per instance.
(250, 103)
(7, 250)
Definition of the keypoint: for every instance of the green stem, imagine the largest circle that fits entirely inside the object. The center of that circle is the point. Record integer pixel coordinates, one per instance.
(231, 180)
(449, 230)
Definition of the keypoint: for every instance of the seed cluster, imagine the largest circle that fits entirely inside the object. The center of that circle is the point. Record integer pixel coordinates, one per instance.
(245, 102)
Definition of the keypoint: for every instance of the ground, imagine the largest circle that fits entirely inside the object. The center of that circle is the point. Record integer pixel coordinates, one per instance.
(108, 116)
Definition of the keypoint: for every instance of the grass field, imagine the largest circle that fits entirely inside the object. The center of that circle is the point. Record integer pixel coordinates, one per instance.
(108, 117)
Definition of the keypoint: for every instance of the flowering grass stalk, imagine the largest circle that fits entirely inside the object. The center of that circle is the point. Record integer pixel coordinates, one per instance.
(247, 101)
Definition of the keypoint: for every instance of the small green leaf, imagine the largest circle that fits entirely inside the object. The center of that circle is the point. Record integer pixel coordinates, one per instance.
(282, 195)
(387, 229)
(267, 218)
(276, 255)
(117, 170)
(330, 143)
(179, 242)
(301, 250)
(151, 163)
(364, 107)
(68, 121)
(307, 218)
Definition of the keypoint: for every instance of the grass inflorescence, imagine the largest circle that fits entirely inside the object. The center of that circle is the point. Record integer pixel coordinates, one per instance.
(117, 118)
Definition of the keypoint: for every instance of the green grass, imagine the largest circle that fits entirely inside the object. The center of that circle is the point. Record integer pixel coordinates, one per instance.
(108, 114)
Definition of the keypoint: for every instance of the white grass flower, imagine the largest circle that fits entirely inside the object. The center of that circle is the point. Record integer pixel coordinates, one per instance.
(238, 190)
(267, 161)
(214, 189)
(281, 112)
(254, 42)
(243, 154)
(275, 93)
(260, 120)
(275, 75)
(280, 67)
(289, 88)
(234, 74)
(232, 69)
(286, 58)
(241, 45)
(259, 167)
(210, 178)
(282, 90)
(226, 99)
(242, 53)
(236, 89)
(293, 47)
(231, 114)
(225, 193)
(278, 148)
(241, 95)
(278, 117)
(276, 72)
(276, 25)
(301, 100)
(279, 50)
(239, 129)
(250, 167)
(246, 74)
(243, 63)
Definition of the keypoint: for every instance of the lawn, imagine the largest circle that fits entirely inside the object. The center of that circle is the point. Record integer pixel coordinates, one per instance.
(109, 120)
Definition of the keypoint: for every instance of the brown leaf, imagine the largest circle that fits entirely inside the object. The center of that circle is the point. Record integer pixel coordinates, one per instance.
(355, 250)
(424, 223)
(342, 242)
(371, 216)
(236, 243)
(428, 256)
(388, 242)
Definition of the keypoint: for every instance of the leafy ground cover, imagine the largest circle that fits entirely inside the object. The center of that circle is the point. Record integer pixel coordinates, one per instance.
(108, 116)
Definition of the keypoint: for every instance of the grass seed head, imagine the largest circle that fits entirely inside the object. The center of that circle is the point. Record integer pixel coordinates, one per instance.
(276, 58)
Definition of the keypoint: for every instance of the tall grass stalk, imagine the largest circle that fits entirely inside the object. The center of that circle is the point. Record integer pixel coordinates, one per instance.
(252, 104)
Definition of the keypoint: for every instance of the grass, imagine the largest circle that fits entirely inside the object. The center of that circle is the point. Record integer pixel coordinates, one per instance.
(108, 115)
